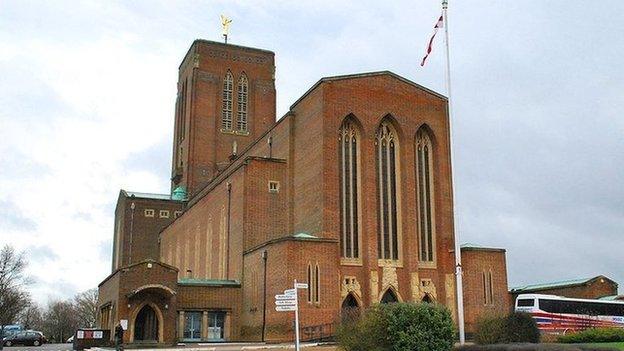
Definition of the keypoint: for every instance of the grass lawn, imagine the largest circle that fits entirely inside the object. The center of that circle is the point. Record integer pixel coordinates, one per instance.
(612, 345)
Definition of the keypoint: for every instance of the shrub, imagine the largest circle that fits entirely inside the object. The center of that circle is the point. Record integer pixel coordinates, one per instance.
(594, 335)
(521, 327)
(514, 328)
(490, 330)
(399, 327)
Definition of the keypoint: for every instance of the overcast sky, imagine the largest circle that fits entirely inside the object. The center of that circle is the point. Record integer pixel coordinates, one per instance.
(87, 92)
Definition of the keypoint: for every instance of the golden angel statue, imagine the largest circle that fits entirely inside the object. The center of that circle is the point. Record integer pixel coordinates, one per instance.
(225, 23)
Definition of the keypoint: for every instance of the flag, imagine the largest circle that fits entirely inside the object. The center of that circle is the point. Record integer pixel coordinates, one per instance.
(437, 26)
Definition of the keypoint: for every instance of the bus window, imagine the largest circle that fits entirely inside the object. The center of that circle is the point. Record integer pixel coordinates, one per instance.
(526, 303)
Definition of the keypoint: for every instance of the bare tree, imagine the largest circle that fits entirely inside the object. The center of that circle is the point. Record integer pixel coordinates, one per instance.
(60, 320)
(32, 317)
(13, 296)
(85, 304)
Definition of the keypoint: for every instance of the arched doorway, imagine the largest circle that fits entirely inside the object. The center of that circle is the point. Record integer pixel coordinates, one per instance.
(427, 299)
(146, 325)
(389, 297)
(350, 310)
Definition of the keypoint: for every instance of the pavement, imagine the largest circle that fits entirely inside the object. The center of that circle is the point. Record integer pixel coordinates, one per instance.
(44, 347)
(223, 347)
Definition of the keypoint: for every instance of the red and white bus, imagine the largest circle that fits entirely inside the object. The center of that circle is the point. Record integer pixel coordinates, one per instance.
(560, 315)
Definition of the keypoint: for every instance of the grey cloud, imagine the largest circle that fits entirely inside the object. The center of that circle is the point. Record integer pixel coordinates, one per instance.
(13, 219)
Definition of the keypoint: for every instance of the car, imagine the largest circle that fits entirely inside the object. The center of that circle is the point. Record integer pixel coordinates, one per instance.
(27, 337)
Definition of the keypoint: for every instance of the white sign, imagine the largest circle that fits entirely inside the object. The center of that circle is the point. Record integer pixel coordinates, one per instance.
(80, 334)
(124, 324)
(286, 303)
(290, 291)
(301, 286)
(285, 308)
(284, 297)
(98, 334)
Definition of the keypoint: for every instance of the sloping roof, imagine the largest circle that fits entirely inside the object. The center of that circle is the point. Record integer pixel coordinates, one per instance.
(207, 282)
(363, 75)
(304, 236)
(147, 195)
(556, 285)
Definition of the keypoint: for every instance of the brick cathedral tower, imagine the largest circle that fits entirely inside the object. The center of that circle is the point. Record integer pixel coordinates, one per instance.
(226, 100)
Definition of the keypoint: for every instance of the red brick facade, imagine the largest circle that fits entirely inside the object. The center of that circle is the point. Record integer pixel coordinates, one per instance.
(267, 211)
(485, 284)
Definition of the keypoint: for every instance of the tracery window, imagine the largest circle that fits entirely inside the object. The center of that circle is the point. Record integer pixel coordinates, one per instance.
(349, 190)
(226, 115)
(424, 193)
(243, 88)
(310, 283)
(387, 153)
(317, 284)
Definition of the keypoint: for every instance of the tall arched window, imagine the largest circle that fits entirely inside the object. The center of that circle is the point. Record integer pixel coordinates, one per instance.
(424, 193)
(387, 154)
(310, 283)
(243, 88)
(317, 284)
(348, 155)
(226, 115)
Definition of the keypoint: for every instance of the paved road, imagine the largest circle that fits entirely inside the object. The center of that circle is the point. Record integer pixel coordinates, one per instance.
(44, 347)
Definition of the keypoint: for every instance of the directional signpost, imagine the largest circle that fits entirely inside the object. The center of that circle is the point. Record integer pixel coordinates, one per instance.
(288, 302)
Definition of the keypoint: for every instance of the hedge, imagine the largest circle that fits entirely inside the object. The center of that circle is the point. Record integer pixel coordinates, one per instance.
(594, 335)
(399, 327)
(513, 328)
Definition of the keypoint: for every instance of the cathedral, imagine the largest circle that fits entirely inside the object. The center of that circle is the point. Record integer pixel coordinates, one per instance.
(350, 192)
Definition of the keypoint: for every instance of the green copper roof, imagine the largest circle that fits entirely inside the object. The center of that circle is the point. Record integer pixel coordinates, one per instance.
(179, 194)
(612, 298)
(207, 282)
(546, 286)
(147, 195)
(304, 236)
(471, 246)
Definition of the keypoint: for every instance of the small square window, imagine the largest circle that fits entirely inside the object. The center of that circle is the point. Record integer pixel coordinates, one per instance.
(273, 186)
(177, 214)
(149, 213)
(163, 214)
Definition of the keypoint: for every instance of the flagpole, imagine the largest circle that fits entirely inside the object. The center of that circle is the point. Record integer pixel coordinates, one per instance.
(458, 265)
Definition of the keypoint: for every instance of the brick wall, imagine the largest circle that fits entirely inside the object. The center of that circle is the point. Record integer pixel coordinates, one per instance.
(475, 262)
(204, 146)
(138, 234)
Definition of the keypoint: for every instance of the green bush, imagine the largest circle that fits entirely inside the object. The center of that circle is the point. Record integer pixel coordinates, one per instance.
(514, 328)
(594, 335)
(490, 331)
(399, 327)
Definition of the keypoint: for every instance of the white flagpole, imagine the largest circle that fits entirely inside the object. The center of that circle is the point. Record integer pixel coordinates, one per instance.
(458, 265)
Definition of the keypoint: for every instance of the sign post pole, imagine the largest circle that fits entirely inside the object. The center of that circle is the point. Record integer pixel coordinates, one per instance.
(296, 316)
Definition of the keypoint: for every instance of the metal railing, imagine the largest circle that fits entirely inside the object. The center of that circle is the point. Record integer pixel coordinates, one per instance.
(318, 333)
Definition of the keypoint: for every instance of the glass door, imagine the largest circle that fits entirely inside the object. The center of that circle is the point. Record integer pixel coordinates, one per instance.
(216, 325)
(192, 326)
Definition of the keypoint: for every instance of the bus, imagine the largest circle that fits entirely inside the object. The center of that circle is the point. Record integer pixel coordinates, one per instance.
(561, 315)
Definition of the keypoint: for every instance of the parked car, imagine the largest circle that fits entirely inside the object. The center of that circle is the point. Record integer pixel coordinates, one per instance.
(27, 337)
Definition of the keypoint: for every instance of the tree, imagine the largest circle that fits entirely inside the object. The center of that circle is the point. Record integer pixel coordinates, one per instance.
(31, 317)
(60, 320)
(85, 304)
(13, 296)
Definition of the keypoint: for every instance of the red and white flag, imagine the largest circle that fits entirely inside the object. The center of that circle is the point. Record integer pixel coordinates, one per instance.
(439, 24)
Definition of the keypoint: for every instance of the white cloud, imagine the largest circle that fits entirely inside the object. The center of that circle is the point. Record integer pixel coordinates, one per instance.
(87, 86)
